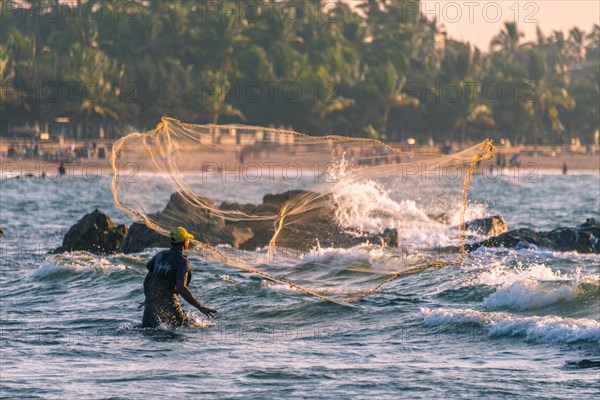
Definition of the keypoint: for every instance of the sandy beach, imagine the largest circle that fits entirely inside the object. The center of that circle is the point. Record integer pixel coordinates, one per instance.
(547, 160)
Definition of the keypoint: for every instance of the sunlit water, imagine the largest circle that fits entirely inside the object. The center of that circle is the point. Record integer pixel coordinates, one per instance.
(504, 324)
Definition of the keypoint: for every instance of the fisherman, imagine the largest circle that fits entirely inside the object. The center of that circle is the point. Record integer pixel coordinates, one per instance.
(169, 273)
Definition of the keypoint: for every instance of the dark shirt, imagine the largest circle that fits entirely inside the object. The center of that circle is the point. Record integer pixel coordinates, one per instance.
(167, 267)
(162, 303)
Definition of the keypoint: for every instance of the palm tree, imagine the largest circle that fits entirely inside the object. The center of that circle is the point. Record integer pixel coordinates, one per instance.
(507, 41)
(550, 80)
(7, 72)
(458, 72)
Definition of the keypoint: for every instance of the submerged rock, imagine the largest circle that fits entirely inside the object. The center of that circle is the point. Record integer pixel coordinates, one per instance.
(583, 364)
(442, 218)
(490, 226)
(584, 238)
(95, 233)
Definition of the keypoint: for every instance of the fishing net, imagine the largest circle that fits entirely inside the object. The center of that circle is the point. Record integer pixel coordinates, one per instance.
(334, 217)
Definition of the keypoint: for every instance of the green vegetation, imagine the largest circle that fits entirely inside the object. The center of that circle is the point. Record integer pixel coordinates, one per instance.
(319, 68)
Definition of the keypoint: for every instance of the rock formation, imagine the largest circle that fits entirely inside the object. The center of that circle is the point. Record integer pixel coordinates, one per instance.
(300, 232)
(490, 226)
(584, 238)
(95, 233)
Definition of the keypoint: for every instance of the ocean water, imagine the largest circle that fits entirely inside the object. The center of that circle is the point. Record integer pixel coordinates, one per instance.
(505, 324)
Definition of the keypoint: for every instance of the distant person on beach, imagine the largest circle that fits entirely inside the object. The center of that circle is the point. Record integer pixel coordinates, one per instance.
(501, 160)
(61, 169)
(515, 160)
(169, 273)
(565, 168)
(447, 149)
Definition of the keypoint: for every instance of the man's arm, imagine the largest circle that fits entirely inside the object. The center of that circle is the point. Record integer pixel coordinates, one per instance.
(189, 297)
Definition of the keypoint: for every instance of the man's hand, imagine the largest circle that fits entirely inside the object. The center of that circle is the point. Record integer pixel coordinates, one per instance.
(207, 311)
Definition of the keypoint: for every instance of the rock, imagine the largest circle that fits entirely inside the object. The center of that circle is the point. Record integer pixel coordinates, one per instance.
(140, 237)
(300, 232)
(512, 239)
(279, 200)
(310, 229)
(239, 234)
(187, 210)
(95, 233)
(584, 238)
(584, 364)
(389, 238)
(491, 226)
(442, 218)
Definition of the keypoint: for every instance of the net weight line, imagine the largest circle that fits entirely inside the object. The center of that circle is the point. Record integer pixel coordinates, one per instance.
(413, 270)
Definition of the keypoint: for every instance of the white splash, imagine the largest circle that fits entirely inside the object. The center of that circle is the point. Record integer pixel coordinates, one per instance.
(548, 329)
(75, 262)
(532, 287)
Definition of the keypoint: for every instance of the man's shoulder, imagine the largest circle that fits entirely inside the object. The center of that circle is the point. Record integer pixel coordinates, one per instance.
(162, 254)
(176, 255)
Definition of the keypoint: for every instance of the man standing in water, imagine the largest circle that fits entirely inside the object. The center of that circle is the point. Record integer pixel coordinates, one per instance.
(169, 273)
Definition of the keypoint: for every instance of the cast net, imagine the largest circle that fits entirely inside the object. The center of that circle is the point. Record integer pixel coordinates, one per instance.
(334, 217)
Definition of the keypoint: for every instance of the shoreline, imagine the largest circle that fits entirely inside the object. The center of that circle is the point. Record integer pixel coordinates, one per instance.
(93, 168)
(544, 159)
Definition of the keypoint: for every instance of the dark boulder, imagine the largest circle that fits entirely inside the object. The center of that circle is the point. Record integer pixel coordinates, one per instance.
(303, 231)
(442, 218)
(584, 238)
(515, 238)
(490, 226)
(239, 234)
(307, 230)
(280, 199)
(583, 364)
(183, 209)
(95, 233)
(140, 237)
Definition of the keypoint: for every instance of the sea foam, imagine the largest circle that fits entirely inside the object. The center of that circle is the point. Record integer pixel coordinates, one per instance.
(75, 262)
(533, 287)
(547, 329)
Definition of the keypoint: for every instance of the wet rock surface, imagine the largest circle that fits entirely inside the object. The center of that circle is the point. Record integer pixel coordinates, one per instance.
(303, 231)
(584, 238)
(490, 226)
(95, 233)
(300, 232)
(199, 220)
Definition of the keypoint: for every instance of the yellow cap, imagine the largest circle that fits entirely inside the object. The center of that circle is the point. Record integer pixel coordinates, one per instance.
(180, 235)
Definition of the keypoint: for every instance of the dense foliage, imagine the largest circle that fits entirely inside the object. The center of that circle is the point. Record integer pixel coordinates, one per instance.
(317, 67)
